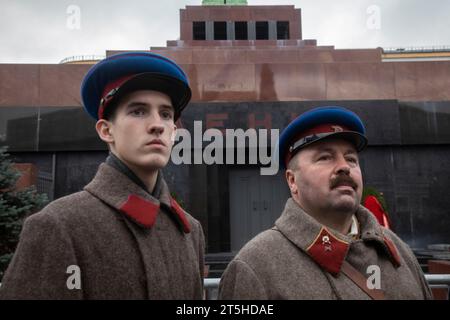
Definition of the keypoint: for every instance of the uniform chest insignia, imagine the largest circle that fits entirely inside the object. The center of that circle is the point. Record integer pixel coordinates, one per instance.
(328, 251)
(326, 243)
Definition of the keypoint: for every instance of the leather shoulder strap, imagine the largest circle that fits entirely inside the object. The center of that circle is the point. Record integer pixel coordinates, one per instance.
(360, 280)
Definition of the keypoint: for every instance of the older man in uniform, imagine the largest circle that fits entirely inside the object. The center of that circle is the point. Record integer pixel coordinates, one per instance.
(325, 245)
(123, 236)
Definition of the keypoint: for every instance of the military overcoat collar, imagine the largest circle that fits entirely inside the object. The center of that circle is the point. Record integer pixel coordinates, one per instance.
(327, 247)
(118, 191)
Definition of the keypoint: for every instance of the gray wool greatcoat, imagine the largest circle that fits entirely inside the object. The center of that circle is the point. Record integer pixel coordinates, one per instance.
(127, 245)
(301, 259)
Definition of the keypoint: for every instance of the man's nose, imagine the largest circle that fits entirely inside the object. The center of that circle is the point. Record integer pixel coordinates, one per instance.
(342, 165)
(156, 125)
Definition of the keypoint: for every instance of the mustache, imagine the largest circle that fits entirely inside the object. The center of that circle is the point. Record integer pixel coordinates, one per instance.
(342, 179)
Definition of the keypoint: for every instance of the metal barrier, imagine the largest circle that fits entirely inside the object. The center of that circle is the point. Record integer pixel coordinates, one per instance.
(438, 281)
(443, 279)
(91, 57)
(211, 283)
(211, 286)
(417, 49)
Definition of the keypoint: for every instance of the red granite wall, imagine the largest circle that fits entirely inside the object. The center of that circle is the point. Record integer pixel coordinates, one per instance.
(255, 76)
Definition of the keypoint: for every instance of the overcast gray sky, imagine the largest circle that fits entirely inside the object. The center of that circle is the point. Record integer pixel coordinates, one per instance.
(48, 31)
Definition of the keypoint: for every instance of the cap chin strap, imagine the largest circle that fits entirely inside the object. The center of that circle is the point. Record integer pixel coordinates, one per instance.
(308, 139)
(108, 96)
(109, 91)
(105, 101)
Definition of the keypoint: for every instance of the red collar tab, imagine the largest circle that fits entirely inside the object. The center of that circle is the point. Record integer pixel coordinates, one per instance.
(141, 211)
(181, 216)
(313, 134)
(144, 212)
(109, 92)
(328, 251)
(393, 253)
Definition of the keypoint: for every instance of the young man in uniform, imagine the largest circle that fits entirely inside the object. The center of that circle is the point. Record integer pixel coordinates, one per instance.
(325, 245)
(123, 236)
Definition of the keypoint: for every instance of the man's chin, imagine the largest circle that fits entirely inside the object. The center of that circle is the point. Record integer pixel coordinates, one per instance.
(346, 205)
(155, 162)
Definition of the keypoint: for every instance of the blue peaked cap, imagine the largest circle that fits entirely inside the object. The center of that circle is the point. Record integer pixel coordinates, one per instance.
(146, 71)
(291, 140)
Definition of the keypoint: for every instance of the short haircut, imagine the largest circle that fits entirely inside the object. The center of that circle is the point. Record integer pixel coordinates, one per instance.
(111, 110)
(293, 165)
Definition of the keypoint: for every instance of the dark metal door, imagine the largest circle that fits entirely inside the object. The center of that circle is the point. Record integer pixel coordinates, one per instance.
(255, 203)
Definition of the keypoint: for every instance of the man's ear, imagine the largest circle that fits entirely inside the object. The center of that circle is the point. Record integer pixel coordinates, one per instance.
(290, 178)
(174, 134)
(104, 130)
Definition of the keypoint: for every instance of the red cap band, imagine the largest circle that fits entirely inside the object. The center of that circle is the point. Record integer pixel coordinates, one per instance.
(109, 91)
